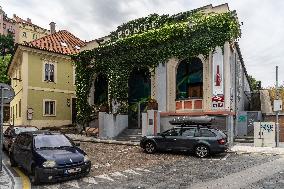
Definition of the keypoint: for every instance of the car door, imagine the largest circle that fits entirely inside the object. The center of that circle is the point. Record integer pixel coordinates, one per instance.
(170, 139)
(187, 140)
(16, 151)
(27, 152)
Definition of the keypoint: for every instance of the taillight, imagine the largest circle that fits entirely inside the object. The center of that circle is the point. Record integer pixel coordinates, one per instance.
(221, 141)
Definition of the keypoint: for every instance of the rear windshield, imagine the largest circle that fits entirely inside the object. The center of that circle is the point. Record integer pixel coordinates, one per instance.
(19, 130)
(51, 141)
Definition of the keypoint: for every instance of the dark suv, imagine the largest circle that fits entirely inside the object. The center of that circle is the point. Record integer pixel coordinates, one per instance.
(200, 140)
(49, 156)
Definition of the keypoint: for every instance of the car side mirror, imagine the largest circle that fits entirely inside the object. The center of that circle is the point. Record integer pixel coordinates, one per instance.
(77, 144)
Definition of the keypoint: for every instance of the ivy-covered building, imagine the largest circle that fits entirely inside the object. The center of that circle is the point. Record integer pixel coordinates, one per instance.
(189, 63)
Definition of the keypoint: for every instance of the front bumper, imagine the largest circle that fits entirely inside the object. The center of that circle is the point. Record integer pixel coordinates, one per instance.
(61, 174)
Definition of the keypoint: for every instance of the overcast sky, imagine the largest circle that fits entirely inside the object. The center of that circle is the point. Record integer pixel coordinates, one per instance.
(261, 43)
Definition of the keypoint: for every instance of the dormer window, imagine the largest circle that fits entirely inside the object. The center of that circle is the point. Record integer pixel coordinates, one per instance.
(77, 47)
(63, 44)
(24, 34)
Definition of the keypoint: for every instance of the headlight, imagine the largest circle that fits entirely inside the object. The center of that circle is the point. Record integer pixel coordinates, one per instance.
(49, 163)
(86, 158)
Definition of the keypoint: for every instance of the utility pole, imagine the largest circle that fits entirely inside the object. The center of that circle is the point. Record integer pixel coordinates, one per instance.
(1, 128)
(277, 112)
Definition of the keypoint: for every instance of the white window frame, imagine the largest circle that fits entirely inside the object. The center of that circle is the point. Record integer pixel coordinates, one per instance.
(43, 108)
(55, 71)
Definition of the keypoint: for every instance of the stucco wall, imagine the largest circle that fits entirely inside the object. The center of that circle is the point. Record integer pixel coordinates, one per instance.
(63, 73)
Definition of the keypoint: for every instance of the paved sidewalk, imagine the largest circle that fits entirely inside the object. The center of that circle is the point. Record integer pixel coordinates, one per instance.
(249, 148)
(244, 178)
(6, 180)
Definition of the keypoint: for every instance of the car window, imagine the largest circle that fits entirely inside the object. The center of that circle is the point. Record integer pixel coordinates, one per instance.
(7, 132)
(173, 132)
(20, 139)
(19, 130)
(27, 141)
(51, 141)
(188, 132)
(206, 133)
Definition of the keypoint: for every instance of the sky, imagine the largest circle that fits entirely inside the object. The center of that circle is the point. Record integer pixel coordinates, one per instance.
(262, 30)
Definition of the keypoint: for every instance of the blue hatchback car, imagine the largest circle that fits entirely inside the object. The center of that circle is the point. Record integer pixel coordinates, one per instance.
(49, 156)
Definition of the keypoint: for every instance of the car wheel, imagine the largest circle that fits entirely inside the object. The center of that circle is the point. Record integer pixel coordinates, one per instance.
(34, 176)
(150, 147)
(12, 161)
(201, 151)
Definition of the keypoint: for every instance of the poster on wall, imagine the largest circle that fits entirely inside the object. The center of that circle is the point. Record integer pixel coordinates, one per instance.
(217, 80)
(218, 102)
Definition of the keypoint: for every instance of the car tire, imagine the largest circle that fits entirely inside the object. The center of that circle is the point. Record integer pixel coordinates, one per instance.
(12, 161)
(150, 147)
(34, 176)
(201, 151)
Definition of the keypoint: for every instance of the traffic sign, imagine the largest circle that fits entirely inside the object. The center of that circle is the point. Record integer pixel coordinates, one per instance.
(8, 93)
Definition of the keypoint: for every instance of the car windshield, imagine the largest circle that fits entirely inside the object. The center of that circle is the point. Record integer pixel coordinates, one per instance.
(51, 141)
(19, 130)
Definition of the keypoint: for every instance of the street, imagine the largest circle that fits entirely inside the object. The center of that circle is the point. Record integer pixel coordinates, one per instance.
(229, 170)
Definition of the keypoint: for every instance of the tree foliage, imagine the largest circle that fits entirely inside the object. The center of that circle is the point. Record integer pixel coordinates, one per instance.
(255, 85)
(6, 51)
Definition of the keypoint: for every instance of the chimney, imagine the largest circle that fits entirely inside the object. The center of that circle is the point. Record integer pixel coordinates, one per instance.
(52, 27)
(14, 15)
(29, 20)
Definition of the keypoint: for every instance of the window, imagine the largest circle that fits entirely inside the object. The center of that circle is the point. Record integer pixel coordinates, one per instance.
(16, 110)
(189, 79)
(49, 107)
(188, 132)
(34, 36)
(24, 34)
(206, 133)
(172, 132)
(20, 108)
(49, 72)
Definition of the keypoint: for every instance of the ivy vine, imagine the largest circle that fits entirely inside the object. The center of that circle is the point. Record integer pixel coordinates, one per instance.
(184, 35)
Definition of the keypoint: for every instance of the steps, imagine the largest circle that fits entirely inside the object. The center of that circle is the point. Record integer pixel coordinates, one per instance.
(245, 139)
(133, 135)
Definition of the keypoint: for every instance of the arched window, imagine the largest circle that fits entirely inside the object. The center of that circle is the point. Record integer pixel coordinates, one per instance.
(189, 79)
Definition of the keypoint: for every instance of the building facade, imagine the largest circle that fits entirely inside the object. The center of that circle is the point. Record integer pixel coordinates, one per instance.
(22, 30)
(215, 85)
(43, 77)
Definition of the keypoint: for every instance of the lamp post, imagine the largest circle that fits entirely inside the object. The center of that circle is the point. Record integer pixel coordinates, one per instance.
(277, 111)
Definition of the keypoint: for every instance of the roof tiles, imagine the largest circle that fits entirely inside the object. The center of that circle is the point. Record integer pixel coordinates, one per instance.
(53, 43)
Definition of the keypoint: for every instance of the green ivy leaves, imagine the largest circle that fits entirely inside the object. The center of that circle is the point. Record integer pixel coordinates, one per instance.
(184, 35)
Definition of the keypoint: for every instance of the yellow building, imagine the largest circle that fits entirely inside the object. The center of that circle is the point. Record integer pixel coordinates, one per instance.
(26, 31)
(43, 78)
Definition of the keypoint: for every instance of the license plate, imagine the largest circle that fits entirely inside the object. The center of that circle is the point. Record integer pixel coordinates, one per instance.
(74, 170)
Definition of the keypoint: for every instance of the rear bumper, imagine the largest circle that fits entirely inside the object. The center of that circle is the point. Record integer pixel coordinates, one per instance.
(60, 174)
(219, 149)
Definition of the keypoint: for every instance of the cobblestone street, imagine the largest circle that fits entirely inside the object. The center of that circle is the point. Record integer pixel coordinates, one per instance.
(190, 172)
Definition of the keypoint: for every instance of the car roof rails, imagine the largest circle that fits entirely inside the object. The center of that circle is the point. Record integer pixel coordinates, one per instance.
(192, 121)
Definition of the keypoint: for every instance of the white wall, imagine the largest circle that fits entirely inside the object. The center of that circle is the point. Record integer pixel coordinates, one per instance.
(110, 126)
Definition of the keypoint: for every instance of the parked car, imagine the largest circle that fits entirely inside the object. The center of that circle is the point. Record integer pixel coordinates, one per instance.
(11, 133)
(200, 140)
(49, 156)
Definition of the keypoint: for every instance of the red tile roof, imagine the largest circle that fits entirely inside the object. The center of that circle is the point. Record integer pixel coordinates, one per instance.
(62, 42)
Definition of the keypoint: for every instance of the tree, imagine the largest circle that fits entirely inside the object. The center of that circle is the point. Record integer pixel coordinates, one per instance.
(6, 51)
(255, 85)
